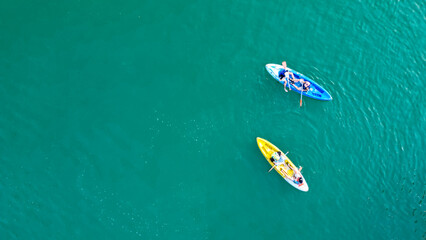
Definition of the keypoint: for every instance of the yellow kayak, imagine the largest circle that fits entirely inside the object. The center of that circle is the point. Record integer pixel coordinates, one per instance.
(288, 170)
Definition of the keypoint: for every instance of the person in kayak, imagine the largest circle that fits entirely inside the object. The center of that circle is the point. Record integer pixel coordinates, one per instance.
(306, 85)
(287, 76)
(277, 158)
(297, 177)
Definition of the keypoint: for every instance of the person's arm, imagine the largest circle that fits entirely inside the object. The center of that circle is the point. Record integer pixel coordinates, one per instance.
(291, 168)
(298, 88)
(300, 168)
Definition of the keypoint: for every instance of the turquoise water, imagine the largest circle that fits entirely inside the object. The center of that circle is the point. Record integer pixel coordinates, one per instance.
(138, 119)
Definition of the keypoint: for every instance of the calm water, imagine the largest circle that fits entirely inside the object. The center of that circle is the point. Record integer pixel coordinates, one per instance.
(138, 119)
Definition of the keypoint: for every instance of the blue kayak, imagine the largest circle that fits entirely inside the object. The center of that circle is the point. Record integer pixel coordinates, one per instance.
(315, 90)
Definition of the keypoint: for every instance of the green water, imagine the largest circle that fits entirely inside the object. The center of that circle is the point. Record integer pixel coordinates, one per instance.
(138, 119)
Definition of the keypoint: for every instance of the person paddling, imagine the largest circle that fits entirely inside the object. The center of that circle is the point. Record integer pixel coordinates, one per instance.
(287, 76)
(305, 84)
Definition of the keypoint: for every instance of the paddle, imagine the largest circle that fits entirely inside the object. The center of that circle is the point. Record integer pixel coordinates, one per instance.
(301, 91)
